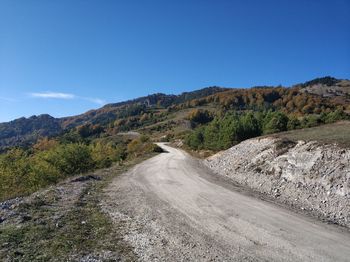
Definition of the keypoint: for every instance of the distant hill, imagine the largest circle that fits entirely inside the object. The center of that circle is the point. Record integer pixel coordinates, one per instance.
(111, 112)
(313, 97)
(23, 131)
(327, 87)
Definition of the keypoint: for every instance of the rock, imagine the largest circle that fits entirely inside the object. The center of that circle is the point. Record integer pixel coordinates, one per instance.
(86, 178)
(317, 173)
(25, 218)
(18, 253)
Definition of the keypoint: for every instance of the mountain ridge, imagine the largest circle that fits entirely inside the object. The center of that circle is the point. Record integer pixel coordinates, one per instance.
(328, 92)
(20, 131)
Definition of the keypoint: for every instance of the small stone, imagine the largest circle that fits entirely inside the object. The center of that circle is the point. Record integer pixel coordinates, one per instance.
(25, 218)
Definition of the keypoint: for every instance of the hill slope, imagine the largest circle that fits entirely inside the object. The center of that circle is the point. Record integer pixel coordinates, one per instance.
(24, 131)
(313, 97)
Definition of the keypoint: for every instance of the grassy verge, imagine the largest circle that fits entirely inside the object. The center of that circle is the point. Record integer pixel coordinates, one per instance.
(65, 223)
(201, 154)
(338, 133)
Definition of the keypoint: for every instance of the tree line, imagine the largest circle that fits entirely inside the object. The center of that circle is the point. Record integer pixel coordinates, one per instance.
(233, 127)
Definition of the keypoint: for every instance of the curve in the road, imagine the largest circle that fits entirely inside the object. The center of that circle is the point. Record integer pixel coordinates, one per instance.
(236, 226)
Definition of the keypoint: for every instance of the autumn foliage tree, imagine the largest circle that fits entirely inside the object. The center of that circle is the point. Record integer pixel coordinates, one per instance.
(199, 116)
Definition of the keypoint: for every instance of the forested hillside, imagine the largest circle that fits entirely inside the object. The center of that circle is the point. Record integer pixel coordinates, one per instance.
(24, 131)
(321, 95)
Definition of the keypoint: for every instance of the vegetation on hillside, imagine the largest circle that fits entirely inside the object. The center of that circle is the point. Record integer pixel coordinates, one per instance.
(337, 133)
(42, 150)
(24, 131)
(150, 110)
(288, 100)
(232, 128)
(23, 171)
(327, 80)
(65, 223)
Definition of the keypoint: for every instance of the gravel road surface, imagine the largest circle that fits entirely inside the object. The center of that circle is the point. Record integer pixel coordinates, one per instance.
(172, 208)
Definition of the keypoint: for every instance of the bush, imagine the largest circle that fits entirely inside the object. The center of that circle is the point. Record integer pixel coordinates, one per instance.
(22, 173)
(14, 173)
(69, 159)
(134, 146)
(195, 139)
(137, 148)
(199, 116)
(223, 132)
(103, 155)
(293, 123)
(275, 122)
(250, 126)
(42, 174)
(332, 117)
(89, 130)
(144, 138)
(310, 121)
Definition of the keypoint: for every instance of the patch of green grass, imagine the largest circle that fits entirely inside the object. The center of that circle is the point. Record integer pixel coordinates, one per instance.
(338, 133)
(79, 230)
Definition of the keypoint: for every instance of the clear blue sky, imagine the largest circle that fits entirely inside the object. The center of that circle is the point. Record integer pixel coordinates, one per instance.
(64, 57)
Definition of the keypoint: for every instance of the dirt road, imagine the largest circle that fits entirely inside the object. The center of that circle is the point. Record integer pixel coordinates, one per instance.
(173, 209)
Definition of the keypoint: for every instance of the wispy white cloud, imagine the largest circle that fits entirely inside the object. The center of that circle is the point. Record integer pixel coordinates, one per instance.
(95, 100)
(60, 95)
(55, 95)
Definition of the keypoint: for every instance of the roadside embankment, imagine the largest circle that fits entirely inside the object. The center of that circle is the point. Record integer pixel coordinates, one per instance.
(305, 175)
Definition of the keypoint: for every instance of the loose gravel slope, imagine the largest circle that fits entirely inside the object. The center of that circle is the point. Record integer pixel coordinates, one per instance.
(306, 176)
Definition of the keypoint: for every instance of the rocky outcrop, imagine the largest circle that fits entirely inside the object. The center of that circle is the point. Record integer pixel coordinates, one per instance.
(305, 175)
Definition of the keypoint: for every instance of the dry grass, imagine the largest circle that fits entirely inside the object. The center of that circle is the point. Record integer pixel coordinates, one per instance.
(337, 133)
(65, 223)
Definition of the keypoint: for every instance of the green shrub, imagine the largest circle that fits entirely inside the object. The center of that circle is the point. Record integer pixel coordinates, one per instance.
(275, 122)
(225, 131)
(195, 139)
(332, 117)
(310, 121)
(22, 173)
(14, 173)
(103, 155)
(69, 159)
(42, 174)
(137, 148)
(293, 123)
